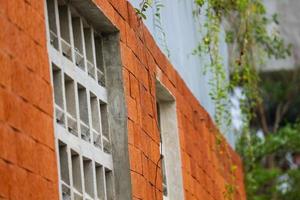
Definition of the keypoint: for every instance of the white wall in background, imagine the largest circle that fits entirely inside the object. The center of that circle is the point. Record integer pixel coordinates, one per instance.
(289, 27)
(182, 36)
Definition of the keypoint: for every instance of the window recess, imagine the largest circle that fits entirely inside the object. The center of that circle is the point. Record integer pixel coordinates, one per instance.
(83, 113)
(78, 41)
(88, 178)
(64, 171)
(90, 49)
(58, 95)
(95, 120)
(65, 33)
(52, 23)
(105, 128)
(100, 182)
(76, 174)
(71, 105)
(109, 183)
(99, 60)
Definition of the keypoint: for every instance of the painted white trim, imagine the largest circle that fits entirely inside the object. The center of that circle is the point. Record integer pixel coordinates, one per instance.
(170, 142)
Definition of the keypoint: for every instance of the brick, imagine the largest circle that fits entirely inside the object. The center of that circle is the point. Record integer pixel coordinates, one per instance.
(155, 135)
(23, 116)
(16, 13)
(31, 87)
(186, 163)
(7, 144)
(37, 183)
(5, 70)
(138, 185)
(147, 124)
(33, 120)
(134, 137)
(145, 144)
(107, 9)
(37, 5)
(132, 40)
(128, 59)
(47, 162)
(143, 75)
(130, 131)
(9, 36)
(35, 28)
(135, 158)
(5, 179)
(126, 81)
(153, 171)
(145, 166)
(27, 152)
(10, 106)
(143, 53)
(134, 20)
(132, 109)
(146, 101)
(154, 151)
(20, 187)
(150, 191)
(121, 25)
(3, 7)
(134, 86)
(121, 7)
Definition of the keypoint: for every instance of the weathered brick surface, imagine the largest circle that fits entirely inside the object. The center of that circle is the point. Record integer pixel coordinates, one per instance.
(28, 168)
(27, 153)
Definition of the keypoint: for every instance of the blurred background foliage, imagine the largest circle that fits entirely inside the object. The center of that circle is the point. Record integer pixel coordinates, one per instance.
(272, 160)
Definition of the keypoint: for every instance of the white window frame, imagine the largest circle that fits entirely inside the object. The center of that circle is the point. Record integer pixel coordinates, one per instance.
(170, 147)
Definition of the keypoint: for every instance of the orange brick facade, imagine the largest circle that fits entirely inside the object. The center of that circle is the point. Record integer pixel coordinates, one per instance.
(28, 166)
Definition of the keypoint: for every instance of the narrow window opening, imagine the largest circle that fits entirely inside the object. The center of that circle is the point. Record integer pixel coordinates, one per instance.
(100, 182)
(76, 174)
(95, 120)
(52, 23)
(99, 60)
(109, 184)
(64, 23)
(64, 171)
(83, 112)
(88, 178)
(78, 41)
(58, 95)
(89, 52)
(105, 128)
(71, 105)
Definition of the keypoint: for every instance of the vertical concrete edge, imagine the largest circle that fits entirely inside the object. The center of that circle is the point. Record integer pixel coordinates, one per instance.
(118, 116)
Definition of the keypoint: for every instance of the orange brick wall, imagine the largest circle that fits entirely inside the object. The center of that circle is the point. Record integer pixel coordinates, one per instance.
(28, 167)
(27, 152)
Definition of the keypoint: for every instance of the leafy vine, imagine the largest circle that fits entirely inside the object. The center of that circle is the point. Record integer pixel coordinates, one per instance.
(250, 43)
(157, 5)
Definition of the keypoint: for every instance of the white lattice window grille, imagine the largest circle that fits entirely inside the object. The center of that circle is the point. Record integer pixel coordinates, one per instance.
(72, 37)
(80, 96)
